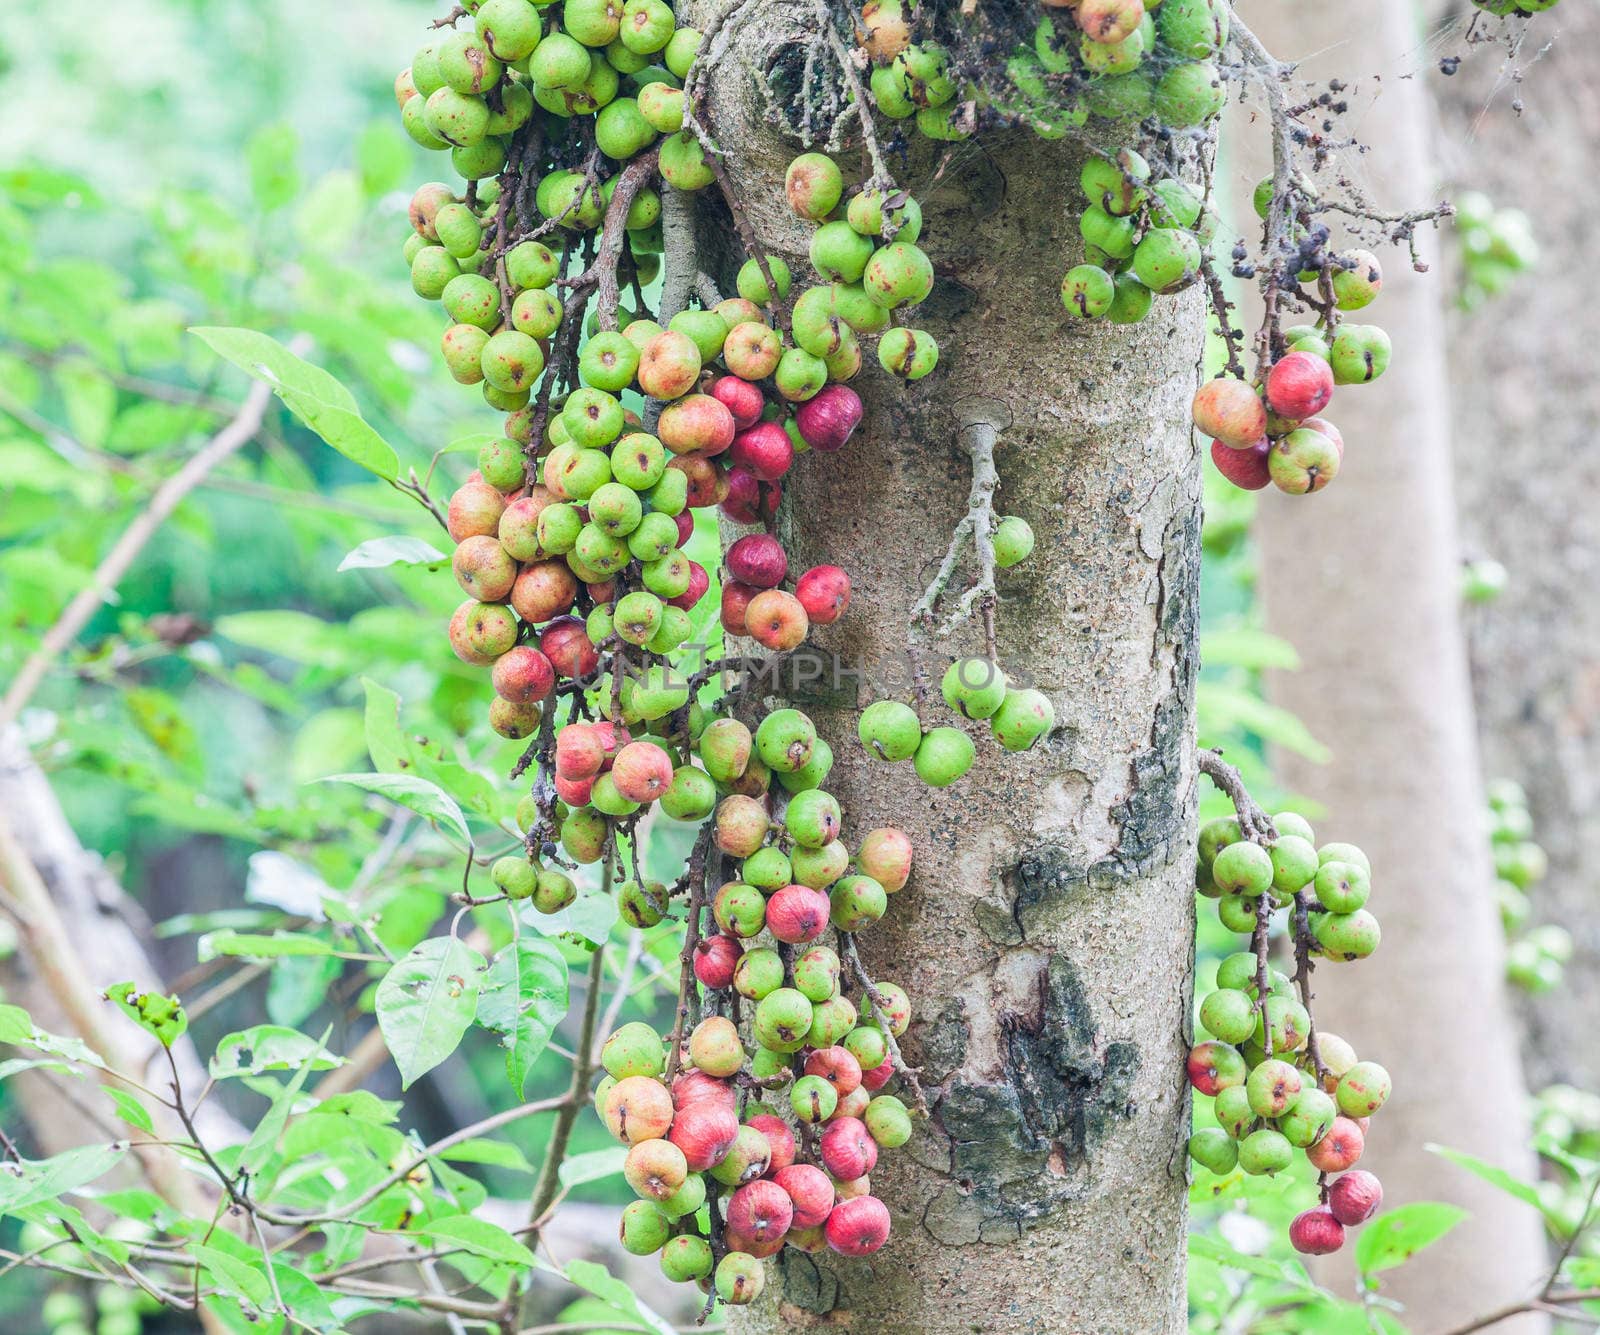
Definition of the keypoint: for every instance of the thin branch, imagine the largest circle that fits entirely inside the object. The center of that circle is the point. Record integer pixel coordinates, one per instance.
(1256, 824)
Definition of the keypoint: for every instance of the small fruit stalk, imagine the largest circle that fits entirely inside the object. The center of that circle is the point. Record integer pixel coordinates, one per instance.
(1277, 1084)
(741, 1144)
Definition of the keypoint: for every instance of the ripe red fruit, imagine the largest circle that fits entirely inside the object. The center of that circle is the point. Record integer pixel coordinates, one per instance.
(735, 602)
(776, 620)
(741, 398)
(568, 647)
(1109, 21)
(1246, 468)
(1316, 1232)
(642, 771)
(836, 1065)
(715, 958)
(797, 914)
(758, 559)
(523, 675)
(735, 1241)
(848, 1149)
(780, 1140)
(612, 737)
(858, 1227)
(579, 752)
(749, 500)
(543, 590)
(879, 1076)
(699, 582)
(1212, 1066)
(705, 1132)
(696, 423)
(1340, 1148)
(760, 1210)
(1231, 411)
(1355, 1197)
(810, 1191)
(574, 792)
(695, 1087)
(707, 485)
(764, 450)
(829, 418)
(824, 591)
(474, 511)
(1299, 385)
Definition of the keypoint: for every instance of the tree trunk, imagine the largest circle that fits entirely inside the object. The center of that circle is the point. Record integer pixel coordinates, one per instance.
(1527, 472)
(1363, 580)
(1046, 935)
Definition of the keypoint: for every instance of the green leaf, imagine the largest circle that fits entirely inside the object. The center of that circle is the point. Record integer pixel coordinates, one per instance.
(16, 1025)
(415, 794)
(494, 1153)
(310, 393)
(274, 178)
(235, 1277)
(1525, 1192)
(90, 399)
(591, 1166)
(264, 1139)
(590, 916)
(524, 997)
(32, 1181)
(1246, 648)
(384, 157)
(597, 1280)
(1224, 706)
(1215, 1249)
(268, 1047)
(253, 946)
(1399, 1234)
(386, 744)
(425, 1003)
(359, 1105)
(398, 550)
(129, 1109)
(479, 1237)
(158, 1015)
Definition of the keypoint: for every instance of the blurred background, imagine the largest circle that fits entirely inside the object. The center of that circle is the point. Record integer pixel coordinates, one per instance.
(1411, 659)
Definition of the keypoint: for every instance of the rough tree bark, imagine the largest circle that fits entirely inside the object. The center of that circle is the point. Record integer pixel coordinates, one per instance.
(1363, 580)
(1527, 472)
(1046, 935)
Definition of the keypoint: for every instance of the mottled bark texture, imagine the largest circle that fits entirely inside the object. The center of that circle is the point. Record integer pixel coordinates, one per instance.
(1362, 578)
(1046, 934)
(1524, 405)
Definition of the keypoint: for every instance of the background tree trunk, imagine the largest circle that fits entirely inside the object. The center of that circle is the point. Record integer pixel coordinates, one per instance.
(1046, 934)
(1524, 404)
(1363, 579)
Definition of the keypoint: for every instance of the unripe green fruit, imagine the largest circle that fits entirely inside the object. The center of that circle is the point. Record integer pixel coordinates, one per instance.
(739, 909)
(1190, 94)
(897, 275)
(1231, 1108)
(645, 1228)
(871, 209)
(1344, 853)
(782, 1019)
(1229, 1014)
(1273, 1086)
(1167, 259)
(516, 876)
(583, 835)
(635, 1049)
(819, 867)
(641, 904)
(616, 509)
(425, 75)
(512, 360)
(1215, 835)
(1238, 912)
(1211, 1147)
(510, 28)
(767, 869)
(890, 730)
(1013, 541)
(974, 687)
(466, 63)
(785, 739)
(459, 119)
(501, 464)
(758, 974)
(856, 902)
(471, 299)
(1243, 868)
(852, 304)
(1342, 887)
(592, 417)
(1022, 719)
(1130, 301)
(559, 62)
(692, 796)
(685, 1257)
(1088, 291)
(687, 1199)
(1265, 1152)
(812, 773)
(816, 975)
(1107, 232)
(707, 330)
(752, 282)
(910, 354)
(639, 461)
(432, 271)
(888, 1121)
(813, 1099)
(812, 818)
(1294, 863)
(1308, 1118)
(831, 1020)
(462, 347)
(532, 264)
(556, 891)
(839, 252)
(1117, 184)
(684, 165)
(813, 184)
(1237, 972)
(606, 798)
(868, 1046)
(800, 375)
(1360, 354)
(1348, 936)
(1289, 1021)
(459, 230)
(943, 756)
(1194, 29)
(1363, 1089)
